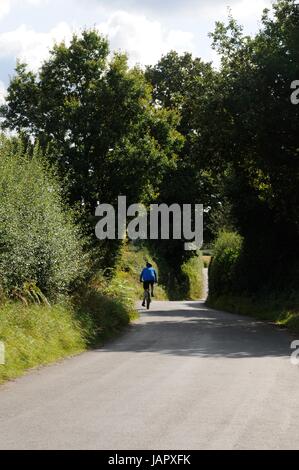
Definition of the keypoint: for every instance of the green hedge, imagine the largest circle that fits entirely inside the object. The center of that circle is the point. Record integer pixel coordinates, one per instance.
(192, 271)
(39, 241)
(227, 272)
(223, 267)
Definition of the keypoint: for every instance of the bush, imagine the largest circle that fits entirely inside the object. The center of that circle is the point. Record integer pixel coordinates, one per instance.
(39, 242)
(223, 267)
(192, 271)
(103, 312)
(227, 275)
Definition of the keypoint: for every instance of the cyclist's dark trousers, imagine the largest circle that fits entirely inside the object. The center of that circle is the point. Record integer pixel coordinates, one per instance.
(147, 284)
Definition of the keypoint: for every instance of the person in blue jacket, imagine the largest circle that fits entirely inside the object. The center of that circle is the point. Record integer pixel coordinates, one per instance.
(149, 277)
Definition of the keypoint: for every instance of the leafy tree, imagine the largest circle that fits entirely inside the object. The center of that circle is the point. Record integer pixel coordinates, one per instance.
(254, 137)
(179, 83)
(95, 118)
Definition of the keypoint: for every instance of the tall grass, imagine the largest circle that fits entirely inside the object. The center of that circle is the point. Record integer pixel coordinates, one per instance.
(36, 334)
(41, 334)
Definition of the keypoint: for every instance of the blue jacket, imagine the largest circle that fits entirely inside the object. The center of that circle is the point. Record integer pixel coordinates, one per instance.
(148, 275)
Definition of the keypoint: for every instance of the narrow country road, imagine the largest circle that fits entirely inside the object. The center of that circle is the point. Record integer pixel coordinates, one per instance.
(182, 377)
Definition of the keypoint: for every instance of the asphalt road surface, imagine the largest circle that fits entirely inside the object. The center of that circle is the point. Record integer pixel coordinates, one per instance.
(181, 377)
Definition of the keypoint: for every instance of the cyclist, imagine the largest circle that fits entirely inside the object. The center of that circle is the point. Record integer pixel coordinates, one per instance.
(149, 277)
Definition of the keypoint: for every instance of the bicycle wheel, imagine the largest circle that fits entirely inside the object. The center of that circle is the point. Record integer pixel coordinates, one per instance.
(148, 299)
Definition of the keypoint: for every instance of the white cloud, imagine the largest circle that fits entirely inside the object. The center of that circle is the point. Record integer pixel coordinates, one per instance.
(37, 2)
(30, 46)
(247, 9)
(246, 12)
(4, 7)
(2, 93)
(7, 5)
(144, 40)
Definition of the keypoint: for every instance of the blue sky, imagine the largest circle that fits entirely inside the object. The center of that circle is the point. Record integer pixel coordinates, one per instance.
(144, 29)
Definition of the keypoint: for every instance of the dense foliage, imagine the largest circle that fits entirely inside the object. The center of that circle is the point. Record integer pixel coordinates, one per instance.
(254, 138)
(94, 117)
(180, 131)
(40, 246)
(223, 269)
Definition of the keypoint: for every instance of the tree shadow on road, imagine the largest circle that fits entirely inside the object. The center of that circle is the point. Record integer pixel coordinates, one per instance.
(197, 331)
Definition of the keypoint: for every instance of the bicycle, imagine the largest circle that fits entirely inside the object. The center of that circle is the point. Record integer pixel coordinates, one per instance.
(147, 297)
